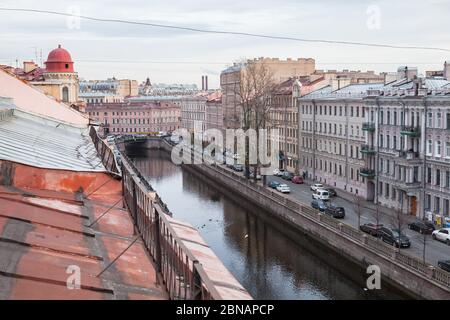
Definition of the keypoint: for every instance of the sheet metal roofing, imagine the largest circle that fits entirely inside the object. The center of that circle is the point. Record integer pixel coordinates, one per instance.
(48, 236)
(34, 101)
(44, 143)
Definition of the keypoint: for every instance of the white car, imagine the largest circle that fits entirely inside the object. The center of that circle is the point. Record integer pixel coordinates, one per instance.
(283, 188)
(442, 235)
(316, 186)
(321, 194)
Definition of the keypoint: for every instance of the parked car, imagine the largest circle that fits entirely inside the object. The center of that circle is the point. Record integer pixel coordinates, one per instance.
(421, 226)
(238, 167)
(321, 194)
(335, 211)
(287, 175)
(319, 205)
(444, 265)
(274, 184)
(276, 172)
(316, 186)
(297, 180)
(394, 237)
(331, 192)
(442, 235)
(371, 228)
(283, 188)
(280, 172)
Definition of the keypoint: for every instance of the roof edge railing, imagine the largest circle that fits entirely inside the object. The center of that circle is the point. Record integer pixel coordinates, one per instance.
(183, 275)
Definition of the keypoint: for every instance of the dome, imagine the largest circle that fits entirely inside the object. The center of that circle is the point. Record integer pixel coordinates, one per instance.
(59, 60)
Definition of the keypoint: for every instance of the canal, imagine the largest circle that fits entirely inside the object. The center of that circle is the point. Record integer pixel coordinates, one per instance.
(269, 258)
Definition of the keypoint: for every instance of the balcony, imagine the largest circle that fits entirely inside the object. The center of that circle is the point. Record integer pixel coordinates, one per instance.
(368, 150)
(409, 155)
(367, 173)
(411, 131)
(368, 126)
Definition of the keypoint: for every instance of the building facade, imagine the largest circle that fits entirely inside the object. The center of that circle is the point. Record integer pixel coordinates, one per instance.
(230, 79)
(387, 142)
(136, 118)
(100, 89)
(408, 127)
(214, 111)
(331, 137)
(58, 79)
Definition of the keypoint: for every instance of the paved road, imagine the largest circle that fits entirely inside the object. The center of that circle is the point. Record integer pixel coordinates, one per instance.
(434, 250)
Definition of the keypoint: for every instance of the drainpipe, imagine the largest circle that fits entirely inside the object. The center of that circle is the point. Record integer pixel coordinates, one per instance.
(314, 139)
(424, 145)
(377, 158)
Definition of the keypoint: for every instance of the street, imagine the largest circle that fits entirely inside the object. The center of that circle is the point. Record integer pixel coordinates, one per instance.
(434, 250)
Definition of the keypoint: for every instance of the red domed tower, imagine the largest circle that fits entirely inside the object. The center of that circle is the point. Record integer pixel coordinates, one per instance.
(60, 79)
(59, 60)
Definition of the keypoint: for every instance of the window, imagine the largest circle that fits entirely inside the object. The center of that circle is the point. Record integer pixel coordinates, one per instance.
(438, 120)
(428, 202)
(428, 175)
(381, 117)
(447, 179)
(438, 177)
(438, 148)
(447, 149)
(437, 204)
(448, 120)
(429, 120)
(429, 147)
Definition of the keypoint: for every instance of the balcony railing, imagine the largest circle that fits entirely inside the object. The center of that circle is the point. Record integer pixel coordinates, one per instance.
(411, 131)
(408, 155)
(367, 173)
(366, 149)
(368, 126)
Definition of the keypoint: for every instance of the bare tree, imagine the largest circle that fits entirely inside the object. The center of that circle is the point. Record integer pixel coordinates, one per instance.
(253, 95)
(358, 202)
(399, 222)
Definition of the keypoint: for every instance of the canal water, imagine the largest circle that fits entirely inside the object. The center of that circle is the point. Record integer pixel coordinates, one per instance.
(270, 259)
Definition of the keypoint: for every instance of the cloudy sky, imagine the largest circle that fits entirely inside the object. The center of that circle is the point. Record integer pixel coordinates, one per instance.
(102, 50)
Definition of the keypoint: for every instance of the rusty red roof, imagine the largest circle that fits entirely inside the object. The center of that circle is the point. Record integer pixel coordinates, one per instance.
(47, 228)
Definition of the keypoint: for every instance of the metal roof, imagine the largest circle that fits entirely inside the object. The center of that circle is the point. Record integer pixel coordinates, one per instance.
(44, 143)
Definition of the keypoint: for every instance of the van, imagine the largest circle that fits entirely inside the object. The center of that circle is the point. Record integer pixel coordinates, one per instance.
(321, 194)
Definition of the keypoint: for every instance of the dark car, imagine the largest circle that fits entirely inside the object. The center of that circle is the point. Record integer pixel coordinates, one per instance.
(421, 226)
(444, 265)
(394, 237)
(287, 175)
(371, 228)
(238, 167)
(274, 184)
(335, 211)
(297, 180)
(331, 191)
(319, 205)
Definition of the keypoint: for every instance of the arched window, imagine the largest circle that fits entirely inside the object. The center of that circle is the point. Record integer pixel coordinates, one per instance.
(65, 94)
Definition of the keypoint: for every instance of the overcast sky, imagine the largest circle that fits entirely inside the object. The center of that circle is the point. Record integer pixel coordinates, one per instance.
(102, 50)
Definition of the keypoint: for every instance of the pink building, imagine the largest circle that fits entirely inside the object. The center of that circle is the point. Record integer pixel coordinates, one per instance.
(136, 117)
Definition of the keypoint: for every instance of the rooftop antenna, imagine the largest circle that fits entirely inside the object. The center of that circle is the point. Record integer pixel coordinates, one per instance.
(40, 58)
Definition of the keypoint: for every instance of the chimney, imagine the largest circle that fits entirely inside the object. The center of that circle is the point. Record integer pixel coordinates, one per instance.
(206, 83)
(29, 66)
(447, 70)
(203, 83)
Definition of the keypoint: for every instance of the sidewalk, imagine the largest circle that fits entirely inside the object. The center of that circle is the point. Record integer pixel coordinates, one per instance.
(387, 212)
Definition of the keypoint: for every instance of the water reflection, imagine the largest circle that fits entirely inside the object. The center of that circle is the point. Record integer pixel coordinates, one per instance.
(271, 260)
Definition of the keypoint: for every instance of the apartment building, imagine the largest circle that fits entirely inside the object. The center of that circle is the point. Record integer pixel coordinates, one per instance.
(214, 111)
(132, 118)
(331, 136)
(408, 129)
(230, 78)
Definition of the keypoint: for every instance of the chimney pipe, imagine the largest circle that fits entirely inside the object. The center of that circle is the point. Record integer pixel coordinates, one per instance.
(206, 83)
(203, 83)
